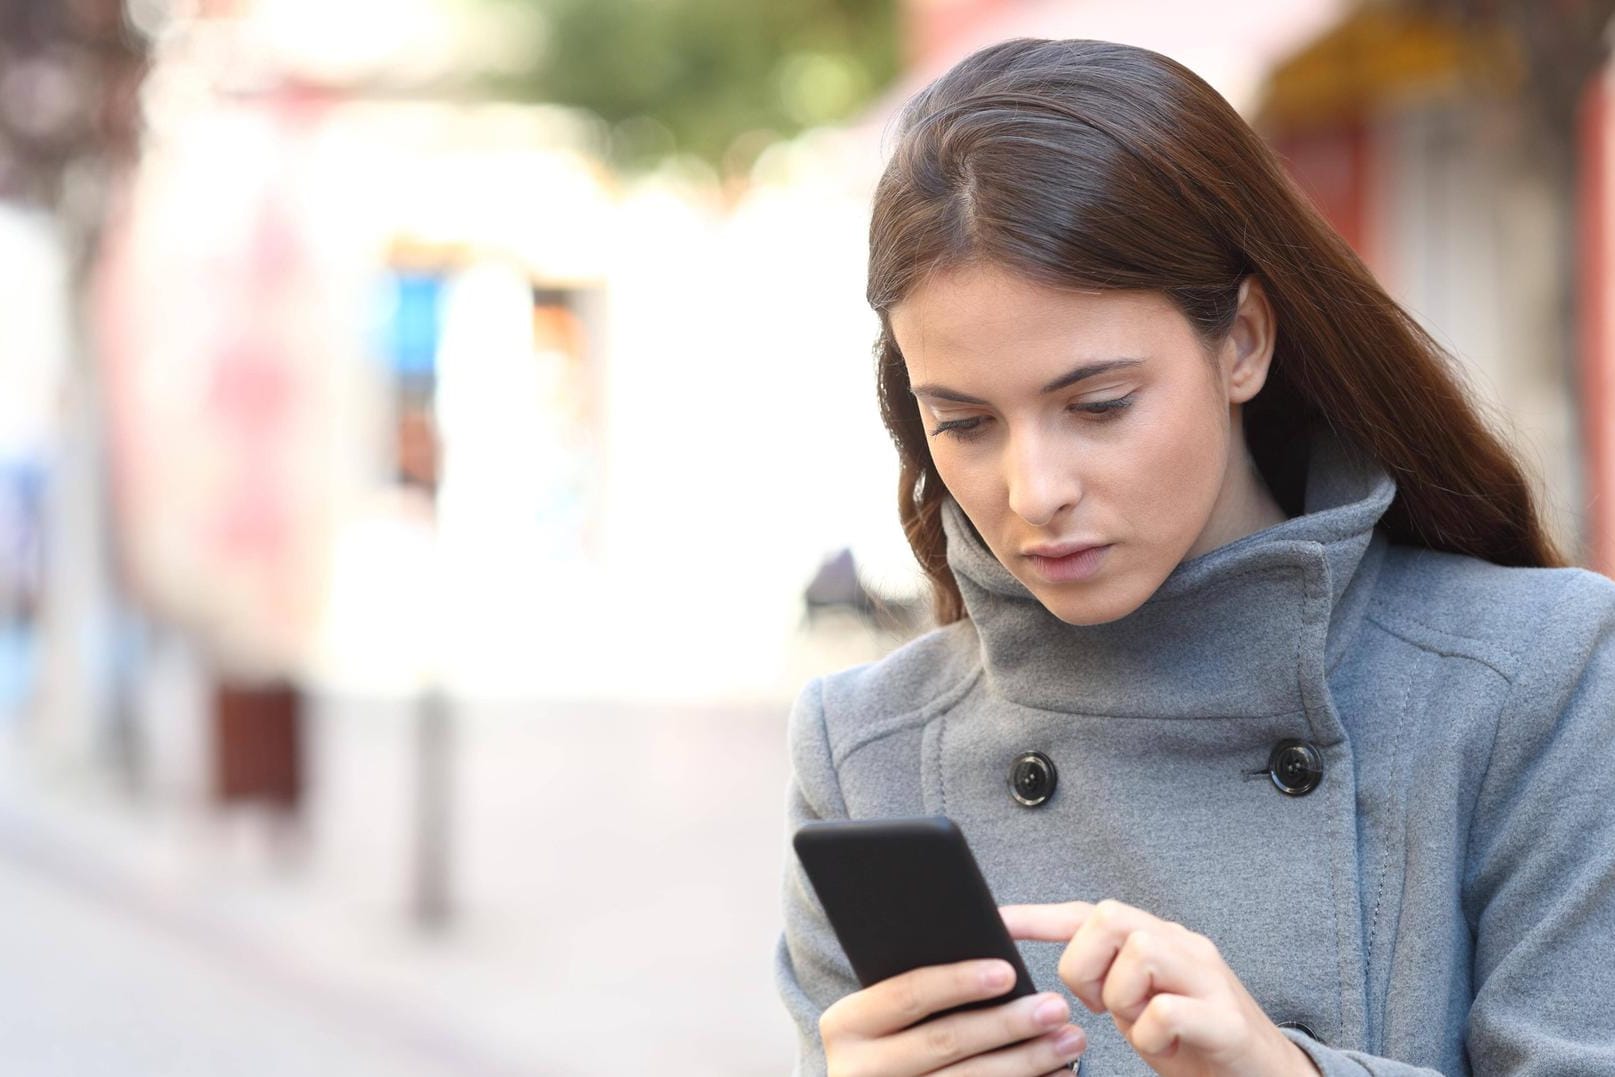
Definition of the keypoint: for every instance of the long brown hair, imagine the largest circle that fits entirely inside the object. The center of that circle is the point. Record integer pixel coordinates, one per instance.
(1097, 165)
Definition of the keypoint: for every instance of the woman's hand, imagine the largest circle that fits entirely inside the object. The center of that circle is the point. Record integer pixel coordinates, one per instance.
(869, 1033)
(1168, 990)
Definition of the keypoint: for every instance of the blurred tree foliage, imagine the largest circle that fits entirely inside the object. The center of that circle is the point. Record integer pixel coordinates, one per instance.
(716, 78)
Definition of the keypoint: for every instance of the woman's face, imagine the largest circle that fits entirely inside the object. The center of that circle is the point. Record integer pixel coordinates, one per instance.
(1088, 435)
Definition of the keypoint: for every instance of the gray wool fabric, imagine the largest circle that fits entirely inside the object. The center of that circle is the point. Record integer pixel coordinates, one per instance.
(1443, 902)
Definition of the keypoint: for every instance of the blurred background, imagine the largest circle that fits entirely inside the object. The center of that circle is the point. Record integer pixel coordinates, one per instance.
(438, 439)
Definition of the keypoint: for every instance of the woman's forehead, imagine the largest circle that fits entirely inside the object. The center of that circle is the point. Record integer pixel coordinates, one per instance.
(982, 311)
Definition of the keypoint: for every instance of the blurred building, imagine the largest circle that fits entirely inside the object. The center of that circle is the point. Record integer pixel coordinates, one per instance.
(1417, 133)
(405, 391)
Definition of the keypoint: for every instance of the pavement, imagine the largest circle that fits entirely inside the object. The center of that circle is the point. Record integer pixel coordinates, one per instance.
(97, 984)
(613, 892)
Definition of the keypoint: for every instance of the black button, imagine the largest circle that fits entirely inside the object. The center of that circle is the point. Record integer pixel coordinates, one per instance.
(1032, 778)
(1296, 767)
(1303, 1029)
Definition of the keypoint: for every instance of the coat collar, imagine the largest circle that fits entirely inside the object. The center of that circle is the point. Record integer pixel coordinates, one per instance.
(1251, 628)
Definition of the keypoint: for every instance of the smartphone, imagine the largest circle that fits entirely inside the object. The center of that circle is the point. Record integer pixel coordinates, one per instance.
(906, 892)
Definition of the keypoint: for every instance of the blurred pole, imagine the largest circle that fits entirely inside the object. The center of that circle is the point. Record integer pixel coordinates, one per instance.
(434, 773)
(418, 457)
(79, 598)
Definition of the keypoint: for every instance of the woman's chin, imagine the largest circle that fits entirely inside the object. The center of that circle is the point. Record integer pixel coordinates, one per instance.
(1090, 603)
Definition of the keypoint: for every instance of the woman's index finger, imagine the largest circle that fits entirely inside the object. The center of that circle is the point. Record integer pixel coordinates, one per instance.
(1045, 923)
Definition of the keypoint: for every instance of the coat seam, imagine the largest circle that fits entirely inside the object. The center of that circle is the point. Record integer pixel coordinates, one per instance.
(1512, 688)
(1382, 616)
(1295, 661)
(940, 703)
(835, 769)
(1385, 861)
(835, 772)
(1480, 798)
(1288, 712)
(1507, 707)
(1338, 837)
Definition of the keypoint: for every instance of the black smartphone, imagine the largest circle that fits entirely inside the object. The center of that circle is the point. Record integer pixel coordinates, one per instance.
(905, 892)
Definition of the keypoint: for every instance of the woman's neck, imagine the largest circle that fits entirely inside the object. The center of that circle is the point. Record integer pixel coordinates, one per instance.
(1244, 507)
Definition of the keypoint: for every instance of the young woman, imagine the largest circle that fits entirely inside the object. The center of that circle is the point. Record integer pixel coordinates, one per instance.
(1259, 692)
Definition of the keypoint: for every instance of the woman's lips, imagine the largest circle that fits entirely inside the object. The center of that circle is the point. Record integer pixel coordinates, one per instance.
(1081, 564)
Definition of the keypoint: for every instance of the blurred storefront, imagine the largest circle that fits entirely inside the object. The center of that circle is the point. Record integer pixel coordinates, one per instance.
(1464, 150)
(348, 371)
(411, 395)
(1413, 131)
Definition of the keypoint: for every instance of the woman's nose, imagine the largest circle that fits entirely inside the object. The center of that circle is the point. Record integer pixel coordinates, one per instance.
(1041, 483)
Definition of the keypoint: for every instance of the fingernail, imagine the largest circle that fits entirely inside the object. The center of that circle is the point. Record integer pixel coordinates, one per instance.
(1050, 1012)
(997, 974)
(1070, 1043)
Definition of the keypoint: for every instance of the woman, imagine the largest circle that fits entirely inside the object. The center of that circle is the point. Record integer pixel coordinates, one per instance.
(1260, 691)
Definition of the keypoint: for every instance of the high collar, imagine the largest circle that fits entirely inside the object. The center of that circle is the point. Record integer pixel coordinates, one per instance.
(1250, 628)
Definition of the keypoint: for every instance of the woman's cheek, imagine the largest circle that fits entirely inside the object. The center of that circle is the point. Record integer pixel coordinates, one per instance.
(965, 482)
(1178, 476)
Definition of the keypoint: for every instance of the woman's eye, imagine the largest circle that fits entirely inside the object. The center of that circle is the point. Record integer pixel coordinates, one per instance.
(1105, 409)
(963, 429)
(1097, 411)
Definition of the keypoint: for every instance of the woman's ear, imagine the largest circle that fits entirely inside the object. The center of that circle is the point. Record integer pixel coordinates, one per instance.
(1248, 351)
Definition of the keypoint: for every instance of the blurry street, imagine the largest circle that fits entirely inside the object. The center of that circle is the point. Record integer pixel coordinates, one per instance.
(614, 889)
(96, 985)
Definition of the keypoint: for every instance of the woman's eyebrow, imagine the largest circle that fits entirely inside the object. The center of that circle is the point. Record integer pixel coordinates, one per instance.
(1070, 377)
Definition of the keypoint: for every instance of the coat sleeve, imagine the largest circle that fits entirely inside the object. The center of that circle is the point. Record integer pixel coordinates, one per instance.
(1539, 884)
(809, 967)
(1332, 1062)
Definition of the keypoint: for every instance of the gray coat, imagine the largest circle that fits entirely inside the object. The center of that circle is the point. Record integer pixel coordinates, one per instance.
(1443, 902)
